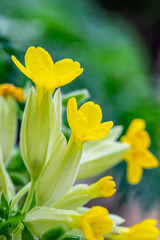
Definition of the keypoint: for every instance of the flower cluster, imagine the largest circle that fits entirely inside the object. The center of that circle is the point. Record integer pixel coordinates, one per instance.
(54, 164)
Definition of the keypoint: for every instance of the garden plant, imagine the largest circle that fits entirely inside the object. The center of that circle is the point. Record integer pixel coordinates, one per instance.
(50, 205)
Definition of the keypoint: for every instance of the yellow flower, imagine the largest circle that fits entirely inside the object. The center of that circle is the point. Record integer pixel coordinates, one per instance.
(9, 89)
(95, 223)
(138, 156)
(105, 187)
(86, 122)
(39, 67)
(145, 230)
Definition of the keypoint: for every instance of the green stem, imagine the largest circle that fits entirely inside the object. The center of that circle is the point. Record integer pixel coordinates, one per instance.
(30, 196)
(20, 194)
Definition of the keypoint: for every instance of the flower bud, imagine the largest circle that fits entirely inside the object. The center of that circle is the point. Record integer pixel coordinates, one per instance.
(37, 131)
(8, 126)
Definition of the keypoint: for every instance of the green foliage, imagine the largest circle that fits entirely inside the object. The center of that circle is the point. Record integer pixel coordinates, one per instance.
(9, 219)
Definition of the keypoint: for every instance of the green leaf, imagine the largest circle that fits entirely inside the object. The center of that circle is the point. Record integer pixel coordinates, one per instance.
(7, 227)
(26, 235)
(4, 207)
(80, 95)
(53, 233)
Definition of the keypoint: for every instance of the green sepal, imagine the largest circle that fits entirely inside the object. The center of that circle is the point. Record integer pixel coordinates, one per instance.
(74, 199)
(60, 172)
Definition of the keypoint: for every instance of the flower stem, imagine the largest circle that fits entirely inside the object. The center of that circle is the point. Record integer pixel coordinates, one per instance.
(29, 197)
(20, 194)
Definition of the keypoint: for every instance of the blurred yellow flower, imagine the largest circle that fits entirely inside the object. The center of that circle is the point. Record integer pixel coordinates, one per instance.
(138, 156)
(95, 223)
(9, 89)
(39, 67)
(105, 187)
(145, 230)
(85, 123)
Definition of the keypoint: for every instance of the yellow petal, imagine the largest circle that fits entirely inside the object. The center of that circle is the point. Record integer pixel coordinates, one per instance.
(36, 58)
(135, 126)
(79, 126)
(76, 120)
(151, 222)
(65, 66)
(69, 77)
(107, 125)
(67, 70)
(21, 67)
(98, 132)
(93, 113)
(10, 89)
(95, 134)
(144, 230)
(134, 172)
(106, 187)
(71, 110)
(148, 160)
(98, 210)
(45, 78)
(96, 223)
(141, 140)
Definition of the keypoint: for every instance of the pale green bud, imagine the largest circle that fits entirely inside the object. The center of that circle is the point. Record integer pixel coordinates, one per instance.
(6, 184)
(75, 198)
(37, 132)
(101, 155)
(60, 172)
(8, 126)
(41, 219)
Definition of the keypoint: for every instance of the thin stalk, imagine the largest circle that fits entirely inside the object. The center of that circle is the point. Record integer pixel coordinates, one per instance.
(20, 194)
(30, 196)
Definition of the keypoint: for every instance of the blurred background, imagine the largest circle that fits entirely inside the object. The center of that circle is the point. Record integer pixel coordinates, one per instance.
(118, 45)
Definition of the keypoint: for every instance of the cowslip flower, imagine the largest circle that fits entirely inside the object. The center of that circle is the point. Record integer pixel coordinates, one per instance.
(41, 69)
(9, 89)
(145, 230)
(80, 194)
(95, 223)
(138, 156)
(105, 187)
(85, 123)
